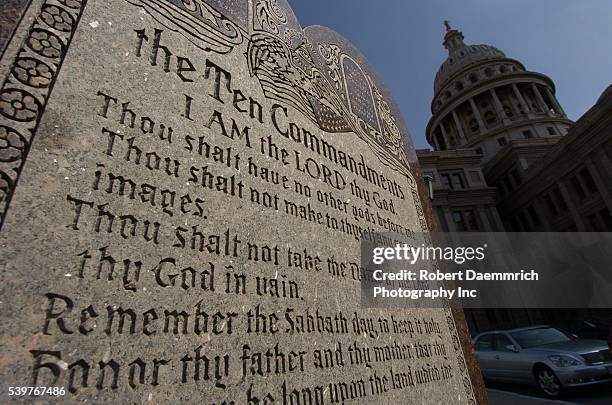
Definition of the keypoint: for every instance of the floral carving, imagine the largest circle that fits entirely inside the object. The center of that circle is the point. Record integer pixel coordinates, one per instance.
(12, 144)
(56, 18)
(18, 105)
(45, 43)
(23, 96)
(71, 3)
(5, 186)
(32, 72)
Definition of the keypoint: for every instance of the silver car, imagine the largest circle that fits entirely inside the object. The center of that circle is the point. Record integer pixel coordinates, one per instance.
(544, 356)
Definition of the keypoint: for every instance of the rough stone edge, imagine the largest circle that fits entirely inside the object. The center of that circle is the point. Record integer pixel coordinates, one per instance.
(463, 332)
(25, 124)
(12, 13)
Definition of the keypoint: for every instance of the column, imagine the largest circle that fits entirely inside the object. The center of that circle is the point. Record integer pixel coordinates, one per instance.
(445, 135)
(572, 207)
(601, 185)
(553, 100)
(602, 157)
(435, 141)
(481, 124)
(449, 219)
(459, 126)
(484, 220)
(497, 220)
(498, 107)
(521, 99)
(515, 103)
(542, 213)
(540, 99)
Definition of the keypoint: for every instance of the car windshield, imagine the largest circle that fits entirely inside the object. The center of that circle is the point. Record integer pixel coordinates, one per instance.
(539, 337)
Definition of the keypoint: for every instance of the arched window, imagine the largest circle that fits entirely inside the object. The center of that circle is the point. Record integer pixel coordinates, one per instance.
(503, 69)
(473, 77)
(488, 72)
(459, 86)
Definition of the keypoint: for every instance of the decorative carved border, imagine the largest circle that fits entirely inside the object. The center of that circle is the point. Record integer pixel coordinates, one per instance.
(450, 319)
(307, 90)
(216, 34)
(25, 92)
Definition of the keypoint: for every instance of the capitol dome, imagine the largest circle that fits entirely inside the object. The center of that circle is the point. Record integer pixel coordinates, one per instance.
(461, 56)
(464, 57)
(483, 100)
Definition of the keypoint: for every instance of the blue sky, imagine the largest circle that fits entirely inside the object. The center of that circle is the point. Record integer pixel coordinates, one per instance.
(568, 40)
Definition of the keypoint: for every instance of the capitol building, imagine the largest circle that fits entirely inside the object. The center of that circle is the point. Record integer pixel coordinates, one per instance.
(506, 158)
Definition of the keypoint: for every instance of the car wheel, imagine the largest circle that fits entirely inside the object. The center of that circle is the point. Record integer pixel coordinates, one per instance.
(548, 382)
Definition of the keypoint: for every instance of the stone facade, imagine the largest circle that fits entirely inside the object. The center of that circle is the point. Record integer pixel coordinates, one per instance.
(568, 188)
(462, 199)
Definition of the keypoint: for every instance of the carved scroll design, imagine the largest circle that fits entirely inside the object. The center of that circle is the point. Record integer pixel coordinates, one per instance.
(331, 56)
(271, 61)
(302, 54)
(270, 15)
(465, 376)
(286, 73)
(25, 91)
(392, 137)
(197, 21)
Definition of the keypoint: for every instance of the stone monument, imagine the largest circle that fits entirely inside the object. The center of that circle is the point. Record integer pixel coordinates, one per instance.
(183, 188)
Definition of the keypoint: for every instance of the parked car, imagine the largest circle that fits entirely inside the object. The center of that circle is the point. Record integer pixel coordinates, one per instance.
(545, 356)
(584, 329)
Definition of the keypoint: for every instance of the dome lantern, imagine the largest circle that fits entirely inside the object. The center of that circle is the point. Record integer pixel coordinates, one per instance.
(462, 56)
(453, 39)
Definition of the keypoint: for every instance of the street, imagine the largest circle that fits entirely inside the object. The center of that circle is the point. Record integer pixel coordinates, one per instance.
(510, 394)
